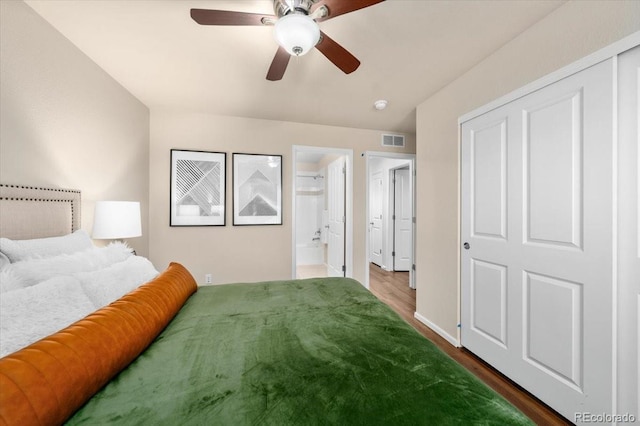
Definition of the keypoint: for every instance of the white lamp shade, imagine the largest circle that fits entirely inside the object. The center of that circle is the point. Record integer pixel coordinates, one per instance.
(116, 219)
(296, 33)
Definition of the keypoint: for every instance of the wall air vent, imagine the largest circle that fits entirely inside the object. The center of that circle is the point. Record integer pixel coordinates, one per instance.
(396, 141)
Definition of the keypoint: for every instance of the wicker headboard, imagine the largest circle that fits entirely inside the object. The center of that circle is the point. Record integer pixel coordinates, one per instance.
(33, 212)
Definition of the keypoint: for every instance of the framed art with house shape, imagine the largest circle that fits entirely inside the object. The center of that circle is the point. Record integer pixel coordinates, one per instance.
(257, 189)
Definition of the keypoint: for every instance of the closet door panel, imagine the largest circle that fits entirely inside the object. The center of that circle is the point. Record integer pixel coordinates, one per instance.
(567, 243)
(489, 301)
(553, 343)
(489, 179)
(553, 171)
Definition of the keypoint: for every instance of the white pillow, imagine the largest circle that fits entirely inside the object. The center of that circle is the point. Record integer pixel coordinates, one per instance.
(9, 280)
(31, 313)
(17, 250)
(109, 284)
(4, 261)
(33, 271)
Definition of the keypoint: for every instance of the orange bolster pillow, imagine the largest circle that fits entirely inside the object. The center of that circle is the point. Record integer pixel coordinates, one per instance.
(46, 382)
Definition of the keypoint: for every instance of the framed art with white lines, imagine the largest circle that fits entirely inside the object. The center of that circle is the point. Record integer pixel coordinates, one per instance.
(257, 189)
(198, 183)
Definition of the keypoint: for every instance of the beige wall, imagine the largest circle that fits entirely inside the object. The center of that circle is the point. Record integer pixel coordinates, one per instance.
(245, 253)
(573, 31)
(64, 122)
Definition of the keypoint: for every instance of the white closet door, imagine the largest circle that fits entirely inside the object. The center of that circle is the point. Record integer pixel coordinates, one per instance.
(629, 233)
(537, 213)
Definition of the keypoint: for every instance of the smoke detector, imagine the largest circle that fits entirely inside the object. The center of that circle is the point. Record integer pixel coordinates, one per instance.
(380, 104)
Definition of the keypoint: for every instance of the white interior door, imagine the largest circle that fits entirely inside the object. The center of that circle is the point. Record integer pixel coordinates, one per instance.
(629, 233)
(336, 211)
(376, 207)
(537, 215)
(403, 217)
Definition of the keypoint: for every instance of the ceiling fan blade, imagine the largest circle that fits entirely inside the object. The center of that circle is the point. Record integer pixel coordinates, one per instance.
(228, 17)
(340, 7)
(278, 65)
(337, 54)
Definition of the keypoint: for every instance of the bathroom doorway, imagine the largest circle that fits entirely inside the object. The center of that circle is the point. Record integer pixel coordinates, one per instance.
(322, 230)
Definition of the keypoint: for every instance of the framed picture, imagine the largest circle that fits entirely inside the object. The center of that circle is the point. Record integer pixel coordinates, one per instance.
(257, 189)
(198, 184)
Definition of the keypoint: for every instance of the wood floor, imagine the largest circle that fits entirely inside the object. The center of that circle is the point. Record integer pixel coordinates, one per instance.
(393, 289)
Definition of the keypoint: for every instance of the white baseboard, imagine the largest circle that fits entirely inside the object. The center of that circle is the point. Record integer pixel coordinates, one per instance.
(449, 338)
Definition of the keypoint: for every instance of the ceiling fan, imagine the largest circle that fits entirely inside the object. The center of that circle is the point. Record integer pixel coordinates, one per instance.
(296, 29)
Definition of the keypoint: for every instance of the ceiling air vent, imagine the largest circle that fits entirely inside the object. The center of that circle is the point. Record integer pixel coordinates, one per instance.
(396, 141)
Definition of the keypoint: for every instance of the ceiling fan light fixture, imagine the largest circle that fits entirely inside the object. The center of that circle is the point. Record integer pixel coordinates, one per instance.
(297, 33)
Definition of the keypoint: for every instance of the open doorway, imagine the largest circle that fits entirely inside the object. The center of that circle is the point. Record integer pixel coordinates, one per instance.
(390, 245)
(322, 212)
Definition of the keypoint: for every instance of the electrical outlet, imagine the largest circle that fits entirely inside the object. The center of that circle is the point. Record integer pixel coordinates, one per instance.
(207, 279)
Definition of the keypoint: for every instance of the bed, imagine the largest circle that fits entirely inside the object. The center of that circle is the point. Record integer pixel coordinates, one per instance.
(314, 351)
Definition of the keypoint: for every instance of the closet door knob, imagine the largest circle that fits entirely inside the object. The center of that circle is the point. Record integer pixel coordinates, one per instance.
(466, 246)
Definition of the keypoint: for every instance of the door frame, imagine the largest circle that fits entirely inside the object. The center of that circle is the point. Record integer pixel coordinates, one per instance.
(348, 236)
(369, 155)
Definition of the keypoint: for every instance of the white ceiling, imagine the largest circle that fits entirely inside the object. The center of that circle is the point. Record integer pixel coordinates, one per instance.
(409, 49)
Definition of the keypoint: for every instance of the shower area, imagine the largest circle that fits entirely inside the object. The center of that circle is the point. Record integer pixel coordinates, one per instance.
(310, 224)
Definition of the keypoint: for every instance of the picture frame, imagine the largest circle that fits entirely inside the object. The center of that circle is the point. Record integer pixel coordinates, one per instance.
(198, 188)
(257, 189)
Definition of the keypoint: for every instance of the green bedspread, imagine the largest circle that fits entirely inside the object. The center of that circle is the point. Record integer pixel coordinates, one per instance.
(317, 351)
